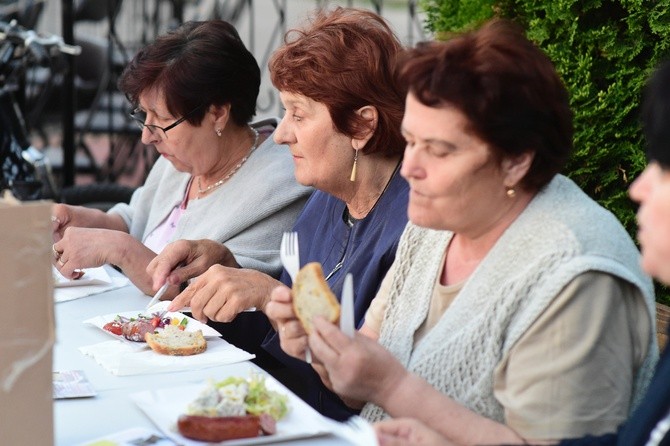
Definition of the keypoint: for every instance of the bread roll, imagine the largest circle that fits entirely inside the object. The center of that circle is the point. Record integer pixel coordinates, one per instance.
(175, 342)
(312, 296)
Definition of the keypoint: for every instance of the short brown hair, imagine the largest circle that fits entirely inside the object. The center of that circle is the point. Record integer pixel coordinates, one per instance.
(507, 88)
(199, 63)
(346, 59)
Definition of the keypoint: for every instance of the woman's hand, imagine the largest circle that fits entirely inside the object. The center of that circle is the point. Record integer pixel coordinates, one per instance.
(184, 259)
(64, 216)
(358, 368)
(85, 248)
(292, 336)
(221, 293)
(408, 432)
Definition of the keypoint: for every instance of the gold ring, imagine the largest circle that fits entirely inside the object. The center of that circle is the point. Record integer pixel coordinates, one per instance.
(56, 253)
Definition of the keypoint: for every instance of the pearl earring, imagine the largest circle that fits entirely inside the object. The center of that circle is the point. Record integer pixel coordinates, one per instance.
(511, 192)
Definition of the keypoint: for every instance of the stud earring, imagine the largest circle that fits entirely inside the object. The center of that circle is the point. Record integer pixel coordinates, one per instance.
(352, 177)
(511, 192)
(219, 132)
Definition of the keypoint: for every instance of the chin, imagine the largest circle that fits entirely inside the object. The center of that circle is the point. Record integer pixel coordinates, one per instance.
(304, 180)
(423, 219)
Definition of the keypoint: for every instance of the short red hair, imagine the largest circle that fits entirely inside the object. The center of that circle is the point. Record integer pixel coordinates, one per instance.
(346, 59)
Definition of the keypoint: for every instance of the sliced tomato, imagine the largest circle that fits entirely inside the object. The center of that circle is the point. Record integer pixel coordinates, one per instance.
(114, 327)
(156, 321)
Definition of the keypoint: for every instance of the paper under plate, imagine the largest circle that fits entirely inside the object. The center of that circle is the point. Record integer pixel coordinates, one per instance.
(193, 324)
(92, 276)
(164, 406)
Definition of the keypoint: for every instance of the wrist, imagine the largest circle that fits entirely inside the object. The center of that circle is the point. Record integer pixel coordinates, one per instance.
(264, 297)
(396, 382)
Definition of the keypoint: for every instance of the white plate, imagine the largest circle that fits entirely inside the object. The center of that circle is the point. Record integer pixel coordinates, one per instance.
(92, 276)
(164, 406)
(193, 324)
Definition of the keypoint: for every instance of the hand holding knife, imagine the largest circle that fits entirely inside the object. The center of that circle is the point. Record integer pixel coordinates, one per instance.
(158, 295)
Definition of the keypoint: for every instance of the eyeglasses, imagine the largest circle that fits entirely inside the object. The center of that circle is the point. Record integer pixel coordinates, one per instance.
(140, 117)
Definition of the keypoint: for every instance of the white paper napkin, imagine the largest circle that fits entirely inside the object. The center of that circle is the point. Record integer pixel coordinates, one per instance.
(115, 280)
(122, 359)
(92, 276)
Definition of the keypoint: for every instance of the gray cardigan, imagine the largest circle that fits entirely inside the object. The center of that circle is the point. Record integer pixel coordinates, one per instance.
(248, 213)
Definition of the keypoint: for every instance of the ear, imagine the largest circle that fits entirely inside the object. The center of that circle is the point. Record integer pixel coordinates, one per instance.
(515, 168)
(370, 116)
(219, 115)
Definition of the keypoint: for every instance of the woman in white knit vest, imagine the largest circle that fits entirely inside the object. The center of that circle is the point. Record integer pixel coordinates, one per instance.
(516, 309)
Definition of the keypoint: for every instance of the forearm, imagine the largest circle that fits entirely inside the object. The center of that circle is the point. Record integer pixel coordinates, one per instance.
(132, 257)
(96, 218)
(413, 397)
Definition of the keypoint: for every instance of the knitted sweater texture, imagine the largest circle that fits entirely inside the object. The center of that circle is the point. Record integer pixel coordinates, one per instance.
(561, 234)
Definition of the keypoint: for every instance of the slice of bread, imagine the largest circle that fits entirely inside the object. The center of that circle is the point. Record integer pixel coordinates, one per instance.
(312, 296)
(175, 342)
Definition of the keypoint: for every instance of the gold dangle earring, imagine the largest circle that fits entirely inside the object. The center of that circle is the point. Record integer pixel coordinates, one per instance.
(353, 169)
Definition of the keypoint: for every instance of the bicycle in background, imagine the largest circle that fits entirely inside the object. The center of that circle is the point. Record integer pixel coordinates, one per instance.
(24, 169)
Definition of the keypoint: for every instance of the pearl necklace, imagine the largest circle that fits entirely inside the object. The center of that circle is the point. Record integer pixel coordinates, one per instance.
(232, 171)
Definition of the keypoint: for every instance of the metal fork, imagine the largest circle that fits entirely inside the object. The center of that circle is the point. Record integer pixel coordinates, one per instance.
(363, 432)
(289, 254)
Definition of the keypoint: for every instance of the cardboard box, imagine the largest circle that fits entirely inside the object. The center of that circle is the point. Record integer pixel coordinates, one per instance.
(26, 324)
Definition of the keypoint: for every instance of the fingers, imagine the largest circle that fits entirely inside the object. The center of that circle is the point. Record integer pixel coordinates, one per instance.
(182, 300)
(320, 343)
(293, 339)
(55, 252)
(161, 267)
(280, 307)
(59, 220)
(331, 334)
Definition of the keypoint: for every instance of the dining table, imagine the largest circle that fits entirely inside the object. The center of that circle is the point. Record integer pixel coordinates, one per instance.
(112, 410)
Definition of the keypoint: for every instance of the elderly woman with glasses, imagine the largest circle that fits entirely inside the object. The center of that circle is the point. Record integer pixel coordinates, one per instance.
(218, 177)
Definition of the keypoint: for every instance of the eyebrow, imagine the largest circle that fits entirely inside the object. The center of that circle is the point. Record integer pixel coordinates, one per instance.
(430, 141)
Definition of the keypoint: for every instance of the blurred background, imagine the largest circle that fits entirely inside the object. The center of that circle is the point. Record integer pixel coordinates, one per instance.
(73, 113)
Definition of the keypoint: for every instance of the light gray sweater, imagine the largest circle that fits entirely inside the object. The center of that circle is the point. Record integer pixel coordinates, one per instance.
(248, 213)
(561, 234)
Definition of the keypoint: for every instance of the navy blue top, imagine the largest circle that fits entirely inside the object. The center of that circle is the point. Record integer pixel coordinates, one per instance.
(366, 250)
(653, 408)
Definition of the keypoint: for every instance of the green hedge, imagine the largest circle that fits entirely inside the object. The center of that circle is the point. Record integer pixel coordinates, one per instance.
(604, 51)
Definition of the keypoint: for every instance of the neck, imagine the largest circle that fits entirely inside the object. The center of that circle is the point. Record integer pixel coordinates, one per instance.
(233, 145)
(467, 249)
(374, 174)
(230, 162)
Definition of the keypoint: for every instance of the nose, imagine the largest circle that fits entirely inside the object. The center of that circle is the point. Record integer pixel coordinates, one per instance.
(411, 164)
(282, 135)
(149, 137)
(642, 185)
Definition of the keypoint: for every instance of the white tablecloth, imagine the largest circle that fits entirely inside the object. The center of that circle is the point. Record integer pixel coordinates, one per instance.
(79, 420)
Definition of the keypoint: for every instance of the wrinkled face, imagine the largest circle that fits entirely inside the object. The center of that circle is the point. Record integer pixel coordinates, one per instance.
(322, 155)
(184, 143)
(652, 190)
(455, 182)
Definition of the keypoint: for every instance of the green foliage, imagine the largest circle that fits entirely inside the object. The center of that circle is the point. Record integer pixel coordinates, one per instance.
(604, 50)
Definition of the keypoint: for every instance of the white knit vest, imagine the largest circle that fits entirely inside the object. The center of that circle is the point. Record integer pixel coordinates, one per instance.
(561, 234)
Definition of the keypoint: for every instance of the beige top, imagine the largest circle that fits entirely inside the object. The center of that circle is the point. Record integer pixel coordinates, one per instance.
(552, 361)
